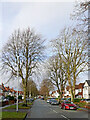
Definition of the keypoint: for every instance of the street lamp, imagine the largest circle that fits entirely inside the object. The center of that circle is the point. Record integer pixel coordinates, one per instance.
(17, 72)
(17, 81)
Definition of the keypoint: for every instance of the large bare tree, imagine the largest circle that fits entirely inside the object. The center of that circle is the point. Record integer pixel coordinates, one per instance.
(28, 47)
(71, 47)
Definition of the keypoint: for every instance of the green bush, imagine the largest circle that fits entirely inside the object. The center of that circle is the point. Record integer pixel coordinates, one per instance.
(77, 99)
(20, 97)
(10, 97)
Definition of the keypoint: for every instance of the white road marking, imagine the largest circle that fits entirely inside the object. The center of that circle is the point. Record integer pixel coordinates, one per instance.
(54, 111)
(65, 117)
(50, 108)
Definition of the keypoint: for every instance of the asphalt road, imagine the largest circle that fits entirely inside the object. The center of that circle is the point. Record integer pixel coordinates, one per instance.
(41, 109)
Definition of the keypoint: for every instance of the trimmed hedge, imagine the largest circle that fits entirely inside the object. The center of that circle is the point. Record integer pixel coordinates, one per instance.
(77, 99)
(10, 97)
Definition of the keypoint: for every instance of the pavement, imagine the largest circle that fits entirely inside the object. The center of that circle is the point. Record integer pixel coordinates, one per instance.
(41, 109)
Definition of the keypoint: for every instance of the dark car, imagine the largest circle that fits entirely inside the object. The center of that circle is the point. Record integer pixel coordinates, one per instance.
(85, 100)
(54, 102)
(31, 99)
(68, 105)
(42, 98)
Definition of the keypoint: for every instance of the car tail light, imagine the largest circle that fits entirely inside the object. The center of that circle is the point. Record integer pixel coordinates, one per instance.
(67, 107)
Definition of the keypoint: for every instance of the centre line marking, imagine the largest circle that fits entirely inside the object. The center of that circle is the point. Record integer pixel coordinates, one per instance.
(54, 111)
(65, 117)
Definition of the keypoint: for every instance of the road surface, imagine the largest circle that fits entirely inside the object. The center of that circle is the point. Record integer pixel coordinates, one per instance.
(41, 109)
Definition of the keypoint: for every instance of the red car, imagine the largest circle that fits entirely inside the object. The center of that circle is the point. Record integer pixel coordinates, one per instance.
(68, 105)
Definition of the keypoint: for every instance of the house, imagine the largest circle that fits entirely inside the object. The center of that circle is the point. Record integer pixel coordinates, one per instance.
(82, 90)
(86, 90)
(78, 91)
(1, 92)
(20, 93)
(54, 94)
(67, 92)
(5, 91)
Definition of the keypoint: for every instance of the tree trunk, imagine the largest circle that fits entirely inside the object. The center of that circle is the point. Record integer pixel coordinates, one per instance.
(72, 96)
(74, 83)
(24, 95)
(59, 98)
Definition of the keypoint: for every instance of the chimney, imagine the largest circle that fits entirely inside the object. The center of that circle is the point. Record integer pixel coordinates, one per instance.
(2, 85)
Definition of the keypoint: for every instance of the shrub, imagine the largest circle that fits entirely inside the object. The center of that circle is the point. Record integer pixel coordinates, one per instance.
(77, 99)
(20, 97)
(10, 97)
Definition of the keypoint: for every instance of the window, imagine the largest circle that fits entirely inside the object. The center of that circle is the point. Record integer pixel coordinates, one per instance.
(86, 87)
(79, 90)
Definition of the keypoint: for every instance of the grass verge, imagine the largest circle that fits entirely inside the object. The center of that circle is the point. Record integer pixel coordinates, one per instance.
(20, 106)
(13, 115)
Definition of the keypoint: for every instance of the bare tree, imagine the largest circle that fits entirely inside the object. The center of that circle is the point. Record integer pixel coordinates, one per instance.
(29, 47)
(56, 75)
(45, 87)
(71, 47)
(32, 90)
(81, 13)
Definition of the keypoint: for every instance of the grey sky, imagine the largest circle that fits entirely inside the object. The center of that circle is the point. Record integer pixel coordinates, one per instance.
(47, 18)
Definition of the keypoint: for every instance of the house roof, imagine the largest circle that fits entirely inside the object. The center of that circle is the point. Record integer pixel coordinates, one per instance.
(8, 89)
(2, 87)
(80, 85)
(88, 81)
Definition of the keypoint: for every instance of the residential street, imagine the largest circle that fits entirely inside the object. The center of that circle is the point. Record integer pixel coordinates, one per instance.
(41, 109)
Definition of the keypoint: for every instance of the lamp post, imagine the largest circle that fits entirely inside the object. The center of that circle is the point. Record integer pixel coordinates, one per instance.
(17, 82)
(17, 72)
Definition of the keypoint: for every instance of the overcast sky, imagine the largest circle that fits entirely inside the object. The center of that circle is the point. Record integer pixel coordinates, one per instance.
(47, 18)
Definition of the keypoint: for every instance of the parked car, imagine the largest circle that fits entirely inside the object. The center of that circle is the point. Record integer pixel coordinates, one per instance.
(42, 98)
(31, 99)
(85, 100)
(68, 105)
(51, 99)
(54, 102)
(48, 100)
(68, 99)
(5, 99)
